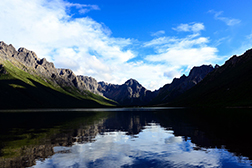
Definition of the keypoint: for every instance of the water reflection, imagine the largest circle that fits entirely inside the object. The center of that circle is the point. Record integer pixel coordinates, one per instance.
(154, 146)
(128, 138)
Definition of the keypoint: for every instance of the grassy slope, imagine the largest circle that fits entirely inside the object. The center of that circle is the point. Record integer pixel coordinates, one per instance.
(228, 88)
(20, 89)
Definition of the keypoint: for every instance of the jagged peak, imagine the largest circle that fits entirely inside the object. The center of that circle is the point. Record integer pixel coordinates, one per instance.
(63, 71)
(248, 52)
(131, 82)
(102, 83)
(86, 78)
(22, 49)
(183, 77)
(199, 69)
(3, 43)
(202, 66)
(8, 48)
(216, 66)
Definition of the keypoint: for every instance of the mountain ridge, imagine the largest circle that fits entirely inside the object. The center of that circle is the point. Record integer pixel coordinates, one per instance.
(24, 76)
(131, 93)
(228, 85)
(25, 69)
(179, 85)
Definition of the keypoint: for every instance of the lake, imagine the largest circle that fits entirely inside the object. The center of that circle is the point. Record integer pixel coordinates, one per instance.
(126, 137)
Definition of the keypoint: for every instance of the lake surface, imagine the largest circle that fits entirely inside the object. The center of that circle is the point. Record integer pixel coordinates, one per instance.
(127, 137)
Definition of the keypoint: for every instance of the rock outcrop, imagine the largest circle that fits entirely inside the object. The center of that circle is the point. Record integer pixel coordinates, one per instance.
(88, 83)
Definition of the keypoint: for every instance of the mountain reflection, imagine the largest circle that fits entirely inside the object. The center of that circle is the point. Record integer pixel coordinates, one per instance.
(127, 138)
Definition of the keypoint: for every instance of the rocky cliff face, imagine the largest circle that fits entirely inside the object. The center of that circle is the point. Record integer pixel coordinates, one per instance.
(27, 58)
(88, 83)
(130, 93)
(34, 65)
(179, 85)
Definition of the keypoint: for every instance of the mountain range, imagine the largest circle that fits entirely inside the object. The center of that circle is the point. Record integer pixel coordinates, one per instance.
(27, 81)
(30, 82)
(228, 85)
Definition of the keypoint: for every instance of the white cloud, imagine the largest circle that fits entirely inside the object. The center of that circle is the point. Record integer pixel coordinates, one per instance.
(153, 144)
(171, 74)
(191, 27)
(249, 36)
(142, 71)
(160, 41)
(185, 52)
(228, 21)
(48, 28)
(83, 8)
(158, 33)
(245, 45)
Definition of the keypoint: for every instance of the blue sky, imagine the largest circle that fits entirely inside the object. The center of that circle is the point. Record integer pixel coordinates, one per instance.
(114, 40)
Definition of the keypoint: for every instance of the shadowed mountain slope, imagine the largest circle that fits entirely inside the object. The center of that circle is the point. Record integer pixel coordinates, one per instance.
(179, 85)
(228, 85)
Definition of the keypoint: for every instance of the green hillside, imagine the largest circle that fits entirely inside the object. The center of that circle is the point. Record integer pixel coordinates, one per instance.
(227, 86)
(20, 89)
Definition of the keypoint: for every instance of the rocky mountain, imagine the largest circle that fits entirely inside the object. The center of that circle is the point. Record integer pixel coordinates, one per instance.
(131, 93)
(42, 67)
(38, 82)
(228, 85)
(179, 85)
(30, 78)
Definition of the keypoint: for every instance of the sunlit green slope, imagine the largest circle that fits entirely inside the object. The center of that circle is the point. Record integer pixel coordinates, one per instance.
(20, 89)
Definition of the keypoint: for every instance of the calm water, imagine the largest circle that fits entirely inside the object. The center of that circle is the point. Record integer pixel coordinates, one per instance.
(141, 137)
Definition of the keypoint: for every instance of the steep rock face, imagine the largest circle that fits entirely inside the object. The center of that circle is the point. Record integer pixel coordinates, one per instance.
(179, 85)
(32, 64)
(106, 88)
(130, 93)
(88, 83)
(6, 50)
(36, 66)
(69, 78)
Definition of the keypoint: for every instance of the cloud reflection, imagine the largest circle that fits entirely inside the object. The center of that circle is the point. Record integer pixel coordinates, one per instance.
(153, 146)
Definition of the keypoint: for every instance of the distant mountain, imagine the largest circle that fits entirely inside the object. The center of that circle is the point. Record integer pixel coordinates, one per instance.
(179, 85)
(131, 93)
(37, 83)
(27, 81)
(30, 82)
(226, 86)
